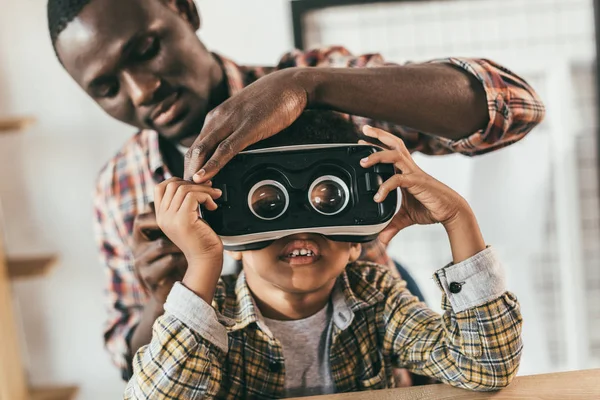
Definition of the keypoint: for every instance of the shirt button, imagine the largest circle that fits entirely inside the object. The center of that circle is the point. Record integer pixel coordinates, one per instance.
(455, 287)
(274, 366)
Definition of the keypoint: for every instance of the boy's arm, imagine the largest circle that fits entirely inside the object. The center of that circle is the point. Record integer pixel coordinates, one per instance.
(184, 358)
(476, 344)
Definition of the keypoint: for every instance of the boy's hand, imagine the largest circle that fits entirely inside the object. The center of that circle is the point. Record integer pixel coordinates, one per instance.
(425, 200)
(176, 203)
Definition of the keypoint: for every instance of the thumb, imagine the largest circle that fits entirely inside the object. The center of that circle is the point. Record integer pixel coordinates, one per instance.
(192, 162)
(400, 221)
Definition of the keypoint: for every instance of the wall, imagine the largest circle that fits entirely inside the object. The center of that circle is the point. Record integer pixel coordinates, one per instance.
(47, 175)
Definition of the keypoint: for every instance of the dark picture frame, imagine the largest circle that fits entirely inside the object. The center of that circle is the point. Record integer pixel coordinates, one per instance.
(597, 68)
(301, 7)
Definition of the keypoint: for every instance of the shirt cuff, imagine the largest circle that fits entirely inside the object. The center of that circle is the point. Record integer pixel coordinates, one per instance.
(473, 282)
(197, 315)
(494, 134)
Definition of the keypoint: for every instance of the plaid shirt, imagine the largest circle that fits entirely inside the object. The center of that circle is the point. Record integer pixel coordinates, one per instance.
(126, 184)
(377, 324)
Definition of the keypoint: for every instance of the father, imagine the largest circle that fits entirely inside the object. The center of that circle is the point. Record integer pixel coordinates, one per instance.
(142, 62)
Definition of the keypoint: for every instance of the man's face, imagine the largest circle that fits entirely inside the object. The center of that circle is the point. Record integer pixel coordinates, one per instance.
(298, 264)
(142, 62)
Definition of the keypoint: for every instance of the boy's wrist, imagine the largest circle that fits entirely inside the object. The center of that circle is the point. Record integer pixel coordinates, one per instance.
(464, 235)
(202, 276)
(463, 217)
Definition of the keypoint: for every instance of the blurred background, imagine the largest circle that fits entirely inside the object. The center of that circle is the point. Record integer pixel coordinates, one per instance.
(537, 201)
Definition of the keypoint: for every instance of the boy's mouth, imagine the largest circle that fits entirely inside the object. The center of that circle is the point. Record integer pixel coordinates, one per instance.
(300, 252)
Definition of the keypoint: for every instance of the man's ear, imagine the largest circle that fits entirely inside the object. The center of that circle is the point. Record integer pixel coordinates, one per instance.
(355, 250)
(187, 10)
(236, 255)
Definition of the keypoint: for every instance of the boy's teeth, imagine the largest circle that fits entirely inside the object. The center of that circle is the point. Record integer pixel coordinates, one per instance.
(301, 252)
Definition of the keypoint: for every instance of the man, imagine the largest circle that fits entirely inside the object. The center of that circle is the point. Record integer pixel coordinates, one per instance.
(142, 62)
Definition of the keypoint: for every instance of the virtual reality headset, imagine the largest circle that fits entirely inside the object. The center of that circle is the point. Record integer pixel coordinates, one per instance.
(276, 192)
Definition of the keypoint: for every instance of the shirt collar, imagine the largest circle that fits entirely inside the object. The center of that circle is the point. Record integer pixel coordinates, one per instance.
(235, 83)
(155, 158)
(351, 294)
(346, 301)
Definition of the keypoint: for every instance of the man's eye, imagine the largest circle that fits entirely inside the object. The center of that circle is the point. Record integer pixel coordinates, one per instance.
(147, 49)
(107, 89)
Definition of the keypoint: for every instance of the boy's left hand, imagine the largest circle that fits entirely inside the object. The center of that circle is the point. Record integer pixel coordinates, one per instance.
(425, 200)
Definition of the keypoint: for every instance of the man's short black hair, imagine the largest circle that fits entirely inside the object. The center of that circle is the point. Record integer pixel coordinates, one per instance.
(314, 127)
(61, 13)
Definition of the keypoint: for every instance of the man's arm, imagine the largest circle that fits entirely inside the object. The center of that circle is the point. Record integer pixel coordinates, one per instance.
(454, 105)
(469, 106)
(433, 98)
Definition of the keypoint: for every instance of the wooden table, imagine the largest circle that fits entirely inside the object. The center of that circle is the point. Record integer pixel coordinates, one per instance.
(559, 386)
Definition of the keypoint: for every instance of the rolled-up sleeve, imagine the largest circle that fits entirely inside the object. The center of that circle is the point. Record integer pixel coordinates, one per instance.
(514, 108)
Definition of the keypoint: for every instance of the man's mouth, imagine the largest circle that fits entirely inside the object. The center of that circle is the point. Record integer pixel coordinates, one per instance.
(167, 112)
(300, 252)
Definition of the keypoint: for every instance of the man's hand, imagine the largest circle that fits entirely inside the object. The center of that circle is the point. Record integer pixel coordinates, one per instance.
(158, 262)
(259, 111)
(425, 200)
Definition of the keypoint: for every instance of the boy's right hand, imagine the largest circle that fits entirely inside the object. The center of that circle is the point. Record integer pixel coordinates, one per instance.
(176, 202)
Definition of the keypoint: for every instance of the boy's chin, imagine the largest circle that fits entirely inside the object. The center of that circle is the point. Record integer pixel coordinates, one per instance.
(298, 284)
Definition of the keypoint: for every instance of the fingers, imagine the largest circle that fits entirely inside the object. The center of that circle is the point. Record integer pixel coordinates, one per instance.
(145, 227)
(206, 144)
(393, 183)
(163, 268)
(184, 190)
(193, 199)
(224, 152)
(400, 221)
(171, 193)
(390, 140)
(155, 250)
(159, 191)
(400, 160)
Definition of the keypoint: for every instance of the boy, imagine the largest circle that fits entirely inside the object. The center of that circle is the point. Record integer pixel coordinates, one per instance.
(304, 317)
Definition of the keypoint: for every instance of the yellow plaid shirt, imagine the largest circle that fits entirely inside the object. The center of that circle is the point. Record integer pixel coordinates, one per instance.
(377, 325)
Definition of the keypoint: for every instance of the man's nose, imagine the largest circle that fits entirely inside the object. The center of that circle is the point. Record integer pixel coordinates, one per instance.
(142, 87)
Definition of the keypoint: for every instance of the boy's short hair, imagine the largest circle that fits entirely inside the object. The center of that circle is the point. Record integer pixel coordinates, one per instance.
(313, 127)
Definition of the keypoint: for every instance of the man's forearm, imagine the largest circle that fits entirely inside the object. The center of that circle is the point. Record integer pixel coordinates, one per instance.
(143, 332)
(434, 98)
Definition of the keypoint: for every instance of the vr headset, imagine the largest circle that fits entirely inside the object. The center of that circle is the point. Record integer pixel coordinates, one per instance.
(272, 193)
